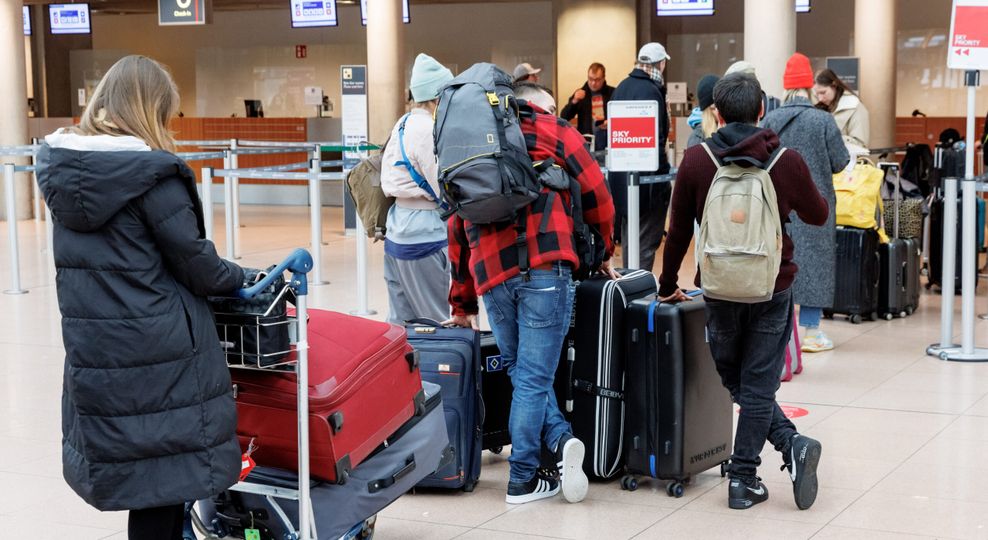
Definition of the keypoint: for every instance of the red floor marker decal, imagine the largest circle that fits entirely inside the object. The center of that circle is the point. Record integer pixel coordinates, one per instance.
(793, 412)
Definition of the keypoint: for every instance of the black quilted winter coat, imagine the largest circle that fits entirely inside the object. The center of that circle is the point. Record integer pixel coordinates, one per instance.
(148, 417)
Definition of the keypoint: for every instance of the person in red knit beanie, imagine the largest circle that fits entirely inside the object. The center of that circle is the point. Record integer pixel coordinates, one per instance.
(818, 140)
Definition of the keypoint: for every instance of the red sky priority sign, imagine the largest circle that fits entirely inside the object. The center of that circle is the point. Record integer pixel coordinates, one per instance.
(633, 135)
(968, 45)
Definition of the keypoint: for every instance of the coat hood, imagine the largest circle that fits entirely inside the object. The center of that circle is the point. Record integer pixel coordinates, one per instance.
(86, 180)
(744, 144)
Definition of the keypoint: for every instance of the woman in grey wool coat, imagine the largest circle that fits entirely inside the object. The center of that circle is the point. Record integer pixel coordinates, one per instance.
(814, 134)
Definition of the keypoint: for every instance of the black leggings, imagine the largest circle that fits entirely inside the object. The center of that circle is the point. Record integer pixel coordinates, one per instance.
(161, 523)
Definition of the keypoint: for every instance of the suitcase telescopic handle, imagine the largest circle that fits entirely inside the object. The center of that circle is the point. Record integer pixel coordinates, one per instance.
(298, 263)
(424, 322)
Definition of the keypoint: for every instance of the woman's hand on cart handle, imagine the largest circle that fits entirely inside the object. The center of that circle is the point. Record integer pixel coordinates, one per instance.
(298, 263)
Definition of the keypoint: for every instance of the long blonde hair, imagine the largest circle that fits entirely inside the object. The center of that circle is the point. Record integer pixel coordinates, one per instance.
(710, 122)
(136, 97)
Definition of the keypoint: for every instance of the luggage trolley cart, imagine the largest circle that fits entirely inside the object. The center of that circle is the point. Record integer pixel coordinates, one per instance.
(244, 351)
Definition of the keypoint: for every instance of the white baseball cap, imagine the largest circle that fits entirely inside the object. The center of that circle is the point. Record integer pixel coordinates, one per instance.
(653, 53)
(524, 69)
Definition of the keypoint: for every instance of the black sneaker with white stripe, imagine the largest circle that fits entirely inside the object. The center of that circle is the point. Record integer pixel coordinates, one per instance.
(803, 458)
(743, 493)
(539, 487)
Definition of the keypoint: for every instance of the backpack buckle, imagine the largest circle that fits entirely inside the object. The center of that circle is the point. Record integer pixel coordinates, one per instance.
(492, 98)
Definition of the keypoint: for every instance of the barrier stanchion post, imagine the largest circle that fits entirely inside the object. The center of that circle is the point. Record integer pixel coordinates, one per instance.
(207, 201)
(35, 191)
(11, 209)
(228, 207)
(317, 155)
(235, 200)
(947, 265)
(632, 242)
(969, 250)
(315, 221)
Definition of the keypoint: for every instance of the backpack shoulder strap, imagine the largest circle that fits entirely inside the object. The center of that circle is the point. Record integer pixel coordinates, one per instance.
(711, 154)
(417, 177)
(774, 158)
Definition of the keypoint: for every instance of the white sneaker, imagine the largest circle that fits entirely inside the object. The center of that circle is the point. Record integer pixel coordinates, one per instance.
(817, 342)
(573, 480)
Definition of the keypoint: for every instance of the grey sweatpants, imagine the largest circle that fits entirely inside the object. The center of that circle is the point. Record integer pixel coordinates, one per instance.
(418, 288)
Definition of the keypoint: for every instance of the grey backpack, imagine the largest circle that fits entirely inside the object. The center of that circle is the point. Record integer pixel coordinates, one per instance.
(485, 173)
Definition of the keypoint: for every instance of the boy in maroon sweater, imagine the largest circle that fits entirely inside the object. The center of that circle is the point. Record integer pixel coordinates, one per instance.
(748, 341)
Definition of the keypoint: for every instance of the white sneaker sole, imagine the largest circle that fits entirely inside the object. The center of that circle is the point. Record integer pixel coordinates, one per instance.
(530, 497)
(573, 479)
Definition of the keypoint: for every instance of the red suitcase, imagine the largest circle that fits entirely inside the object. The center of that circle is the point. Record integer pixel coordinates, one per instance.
(364, 384)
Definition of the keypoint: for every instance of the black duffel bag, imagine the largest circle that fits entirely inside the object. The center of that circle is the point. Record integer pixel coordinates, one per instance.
(255, 331)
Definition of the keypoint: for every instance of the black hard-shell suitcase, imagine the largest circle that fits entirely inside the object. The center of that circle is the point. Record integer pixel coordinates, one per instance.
(680, 417)
(450, 357)
(497, 390)
(416, 449)
(590, 381)
(936, 240)
(858, 272)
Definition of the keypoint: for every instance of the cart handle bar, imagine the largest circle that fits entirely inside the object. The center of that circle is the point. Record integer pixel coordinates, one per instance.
(298, 263)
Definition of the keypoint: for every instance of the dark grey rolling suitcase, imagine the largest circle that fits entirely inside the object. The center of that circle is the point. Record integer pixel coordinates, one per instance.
(591, 376)
(858, 275)
(346, 511)
(680, 418)
(898, 284)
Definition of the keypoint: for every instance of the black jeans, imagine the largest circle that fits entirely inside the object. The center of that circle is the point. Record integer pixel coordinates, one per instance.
(160, 523)
(748, 343)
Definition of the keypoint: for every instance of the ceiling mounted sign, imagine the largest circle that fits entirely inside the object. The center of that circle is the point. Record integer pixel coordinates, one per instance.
(184, 12)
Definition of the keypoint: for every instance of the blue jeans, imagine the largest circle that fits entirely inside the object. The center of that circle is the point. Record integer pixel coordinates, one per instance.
(530, 319)
(748, 343)
(809, 317)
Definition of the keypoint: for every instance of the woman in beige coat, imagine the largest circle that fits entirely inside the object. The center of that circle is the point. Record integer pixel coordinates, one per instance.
(835, 97)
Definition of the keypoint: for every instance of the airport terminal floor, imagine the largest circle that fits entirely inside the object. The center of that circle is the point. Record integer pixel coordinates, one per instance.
(904, 435)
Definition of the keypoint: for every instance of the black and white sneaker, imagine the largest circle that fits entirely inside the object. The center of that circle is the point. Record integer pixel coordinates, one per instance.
(803, 458)
(569, 457)
(743, 494)
(539, 487)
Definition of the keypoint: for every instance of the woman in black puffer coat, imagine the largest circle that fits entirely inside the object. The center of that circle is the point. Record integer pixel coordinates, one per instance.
(148, 416)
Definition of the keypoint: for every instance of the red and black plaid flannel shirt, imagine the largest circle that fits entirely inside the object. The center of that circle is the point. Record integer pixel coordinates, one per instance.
(484, 256)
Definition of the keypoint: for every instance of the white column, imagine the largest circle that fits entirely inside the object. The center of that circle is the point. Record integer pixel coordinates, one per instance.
(769, 40)
(13, 95)
(581, 40)
(875, 45)
(386, 82)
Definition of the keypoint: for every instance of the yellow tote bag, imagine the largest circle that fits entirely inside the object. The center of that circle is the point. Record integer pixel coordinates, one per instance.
(859, 201)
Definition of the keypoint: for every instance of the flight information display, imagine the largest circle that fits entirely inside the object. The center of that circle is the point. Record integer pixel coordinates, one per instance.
(27, 21)
(677, 8)
(802, 6)
(69, 18)
(310, 13)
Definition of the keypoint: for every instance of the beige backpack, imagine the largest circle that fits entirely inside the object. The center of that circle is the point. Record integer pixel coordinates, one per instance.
(740, 242)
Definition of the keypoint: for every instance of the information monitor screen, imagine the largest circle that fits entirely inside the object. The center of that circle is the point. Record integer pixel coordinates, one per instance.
(679, 8)
(69, 18)
(802, 6)
(311, 13)
(27, 21)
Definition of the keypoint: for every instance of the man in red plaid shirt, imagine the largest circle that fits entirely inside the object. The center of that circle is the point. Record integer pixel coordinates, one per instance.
(530, 313)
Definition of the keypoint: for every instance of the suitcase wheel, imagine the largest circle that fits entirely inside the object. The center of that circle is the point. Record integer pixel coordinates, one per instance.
(629, 483)
(675, 489)
(497, 450)
(469, 487)
(903, 314)
(723, 470)
(910, 310)
(889, 316)
(855, 319)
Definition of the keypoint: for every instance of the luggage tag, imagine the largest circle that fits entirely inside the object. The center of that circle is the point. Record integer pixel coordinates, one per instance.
(252, 533)
(247, 463)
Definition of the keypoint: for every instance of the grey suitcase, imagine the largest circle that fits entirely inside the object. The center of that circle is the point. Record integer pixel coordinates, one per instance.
(416, 450)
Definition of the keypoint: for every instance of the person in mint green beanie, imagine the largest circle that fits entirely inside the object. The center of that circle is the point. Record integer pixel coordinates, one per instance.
(416, 261)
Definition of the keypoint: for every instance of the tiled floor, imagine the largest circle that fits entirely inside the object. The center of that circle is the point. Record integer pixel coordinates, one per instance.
(905, 436)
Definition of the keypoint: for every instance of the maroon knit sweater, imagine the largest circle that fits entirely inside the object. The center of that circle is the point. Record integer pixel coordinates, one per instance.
(747, 145)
